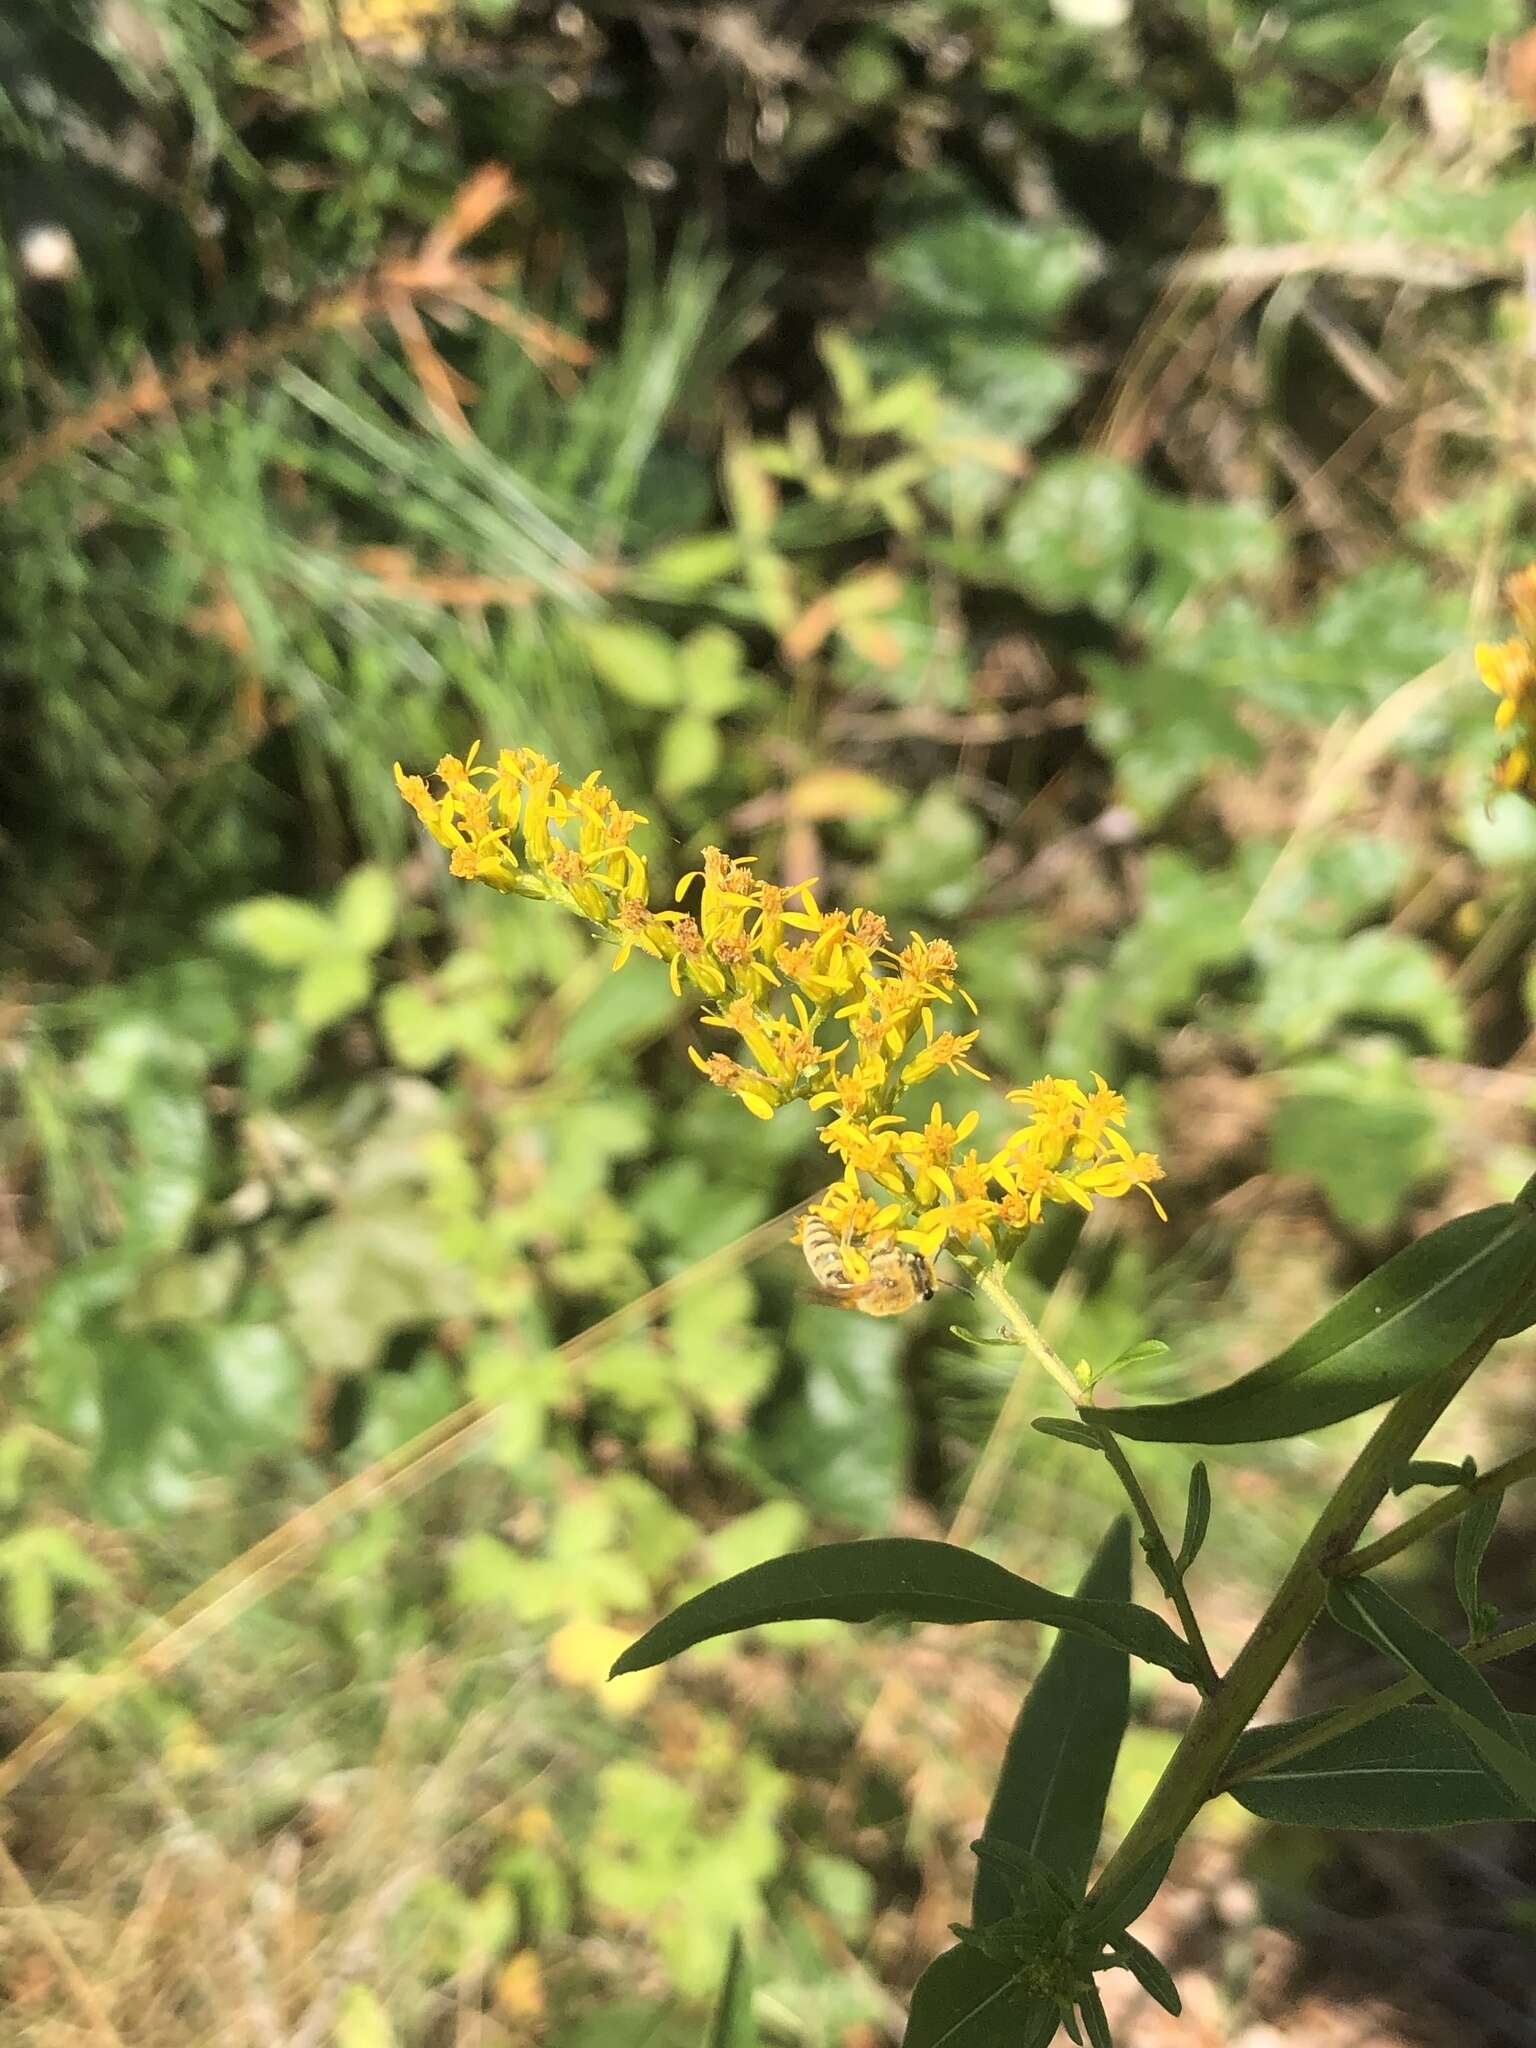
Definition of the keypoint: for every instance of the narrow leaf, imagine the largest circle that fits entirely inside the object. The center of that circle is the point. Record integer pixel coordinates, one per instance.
(1371, 1611)
(967, 2000)
(1065, 1432)
(731, 2024)
(1197, 1517)
(1134, 1354)
(1095, 2019)
(1409, 1768)
(1111, 1910)
(1061, 1754)
(1472, 1539)
(1409, 1320)
(1150, 1973)
(903, 1578)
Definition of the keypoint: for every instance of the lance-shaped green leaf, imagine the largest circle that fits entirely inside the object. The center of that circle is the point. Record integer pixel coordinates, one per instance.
(1458, 1685)
(1409, 1320)
(1061, 1754)
(901, 1578)
(1197, 1517)
(1149, 1973)
(1066, 1432)
(730, 2024)
(967, 2000)
(1473, 1533)
(1411, 1767)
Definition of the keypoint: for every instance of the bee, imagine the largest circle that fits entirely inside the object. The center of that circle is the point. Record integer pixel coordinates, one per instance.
(897, 1278)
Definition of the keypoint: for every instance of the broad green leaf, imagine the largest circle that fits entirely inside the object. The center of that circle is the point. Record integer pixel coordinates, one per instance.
(1061, 1754)
(980, 267)
(688, 753)
(331, 988)
(1166, 719)
(280, 930)
(1190, 927)
(1365, 1129)
(636, 662)
(1312, 986)
(1370, 1610)
(1409, 1320)
(967, 2000)
(1073, 537)
(1409, 1768)
(730, 2024)
(898, 1578)
(1197, 1517)
(365, 908)
(1473, 1535)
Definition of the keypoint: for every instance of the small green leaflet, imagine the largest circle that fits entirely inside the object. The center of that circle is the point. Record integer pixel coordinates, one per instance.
(906, 1579)
(1061, 1753)
(1411, 1767)
(1473, 1535)
(1197, 1517)
(1149, 1973)
(731, 2024)
(1409, 1320)
(1368, 1609)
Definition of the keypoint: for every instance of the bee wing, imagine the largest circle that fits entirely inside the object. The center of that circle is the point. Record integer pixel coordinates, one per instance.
(822, 1297)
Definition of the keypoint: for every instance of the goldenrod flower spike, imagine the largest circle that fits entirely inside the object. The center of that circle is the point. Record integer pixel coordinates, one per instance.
(823, 1010)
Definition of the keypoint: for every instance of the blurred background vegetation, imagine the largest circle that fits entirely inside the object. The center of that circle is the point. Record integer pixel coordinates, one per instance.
(1037, 464)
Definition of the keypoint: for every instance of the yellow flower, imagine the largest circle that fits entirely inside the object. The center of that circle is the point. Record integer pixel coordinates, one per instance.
(961, 1220)
(947, 1051)
(1508, 668)
(753, 1091)
(931, 1149)
(870, 1148)
(803, 1005)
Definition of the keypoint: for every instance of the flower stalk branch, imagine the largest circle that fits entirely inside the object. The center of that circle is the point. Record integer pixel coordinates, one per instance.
(1439, 1515)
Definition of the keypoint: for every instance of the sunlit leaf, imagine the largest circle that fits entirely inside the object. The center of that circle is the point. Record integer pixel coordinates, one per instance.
(897, 1578)
(1409, 1320)
(1409, 1768)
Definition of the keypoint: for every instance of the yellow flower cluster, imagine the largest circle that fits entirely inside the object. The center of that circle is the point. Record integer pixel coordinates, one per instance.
(822, 1006)
(1508, 667)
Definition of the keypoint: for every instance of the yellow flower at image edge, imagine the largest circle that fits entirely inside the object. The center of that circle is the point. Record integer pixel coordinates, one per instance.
(822, 1007)
(1508, 668)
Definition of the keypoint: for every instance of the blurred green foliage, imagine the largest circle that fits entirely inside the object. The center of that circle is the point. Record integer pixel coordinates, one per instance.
(1030, 465)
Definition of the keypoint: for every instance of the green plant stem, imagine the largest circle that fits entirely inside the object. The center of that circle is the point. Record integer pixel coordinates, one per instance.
(1159, 1556)
(1438, 1516)
(1196, 1765)
(1359, 1712)
(995, 1287)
